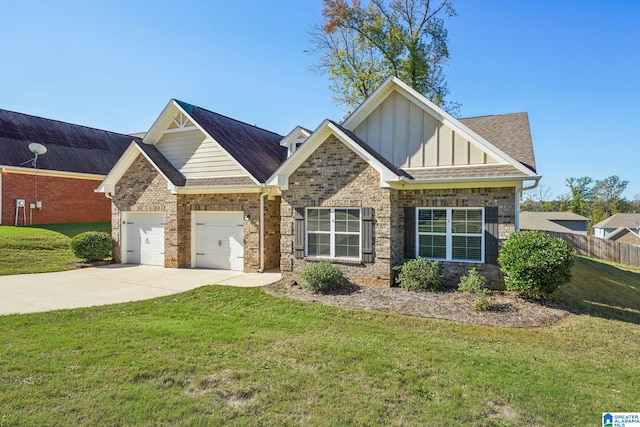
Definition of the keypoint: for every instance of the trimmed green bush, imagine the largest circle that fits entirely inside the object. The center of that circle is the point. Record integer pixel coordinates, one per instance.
(91, 245)
(321, 277)
(472, 281)
(535, 264)
(476, 283)
(419, 274)
(482, 302)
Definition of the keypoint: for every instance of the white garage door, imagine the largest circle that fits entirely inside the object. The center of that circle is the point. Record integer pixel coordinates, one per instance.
(218, 240)
(145, 238)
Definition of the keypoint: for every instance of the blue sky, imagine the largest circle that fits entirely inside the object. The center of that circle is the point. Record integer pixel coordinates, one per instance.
(572, 65)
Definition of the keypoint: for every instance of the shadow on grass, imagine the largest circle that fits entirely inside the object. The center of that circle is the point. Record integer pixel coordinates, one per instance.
(603, 290)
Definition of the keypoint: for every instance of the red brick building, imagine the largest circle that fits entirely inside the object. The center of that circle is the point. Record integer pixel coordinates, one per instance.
(58, 187)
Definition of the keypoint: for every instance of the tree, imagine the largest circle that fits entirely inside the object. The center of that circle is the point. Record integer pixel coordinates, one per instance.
(607, 197)
(537, 199)
(360, 46)
(581, 194)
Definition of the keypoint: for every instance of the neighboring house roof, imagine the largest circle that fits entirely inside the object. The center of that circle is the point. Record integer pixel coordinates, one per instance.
(630, 220)
(70, 148)
(619, 232)
(547, 221)
(257, 150)
(510, 132)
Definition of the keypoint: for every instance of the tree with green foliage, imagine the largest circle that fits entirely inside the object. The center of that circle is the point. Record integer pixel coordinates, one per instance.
(581, 194)
(607, 197)
(361, 45)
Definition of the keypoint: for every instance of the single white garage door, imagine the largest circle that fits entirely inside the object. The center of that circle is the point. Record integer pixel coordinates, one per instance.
(218, 240)
(145, 238)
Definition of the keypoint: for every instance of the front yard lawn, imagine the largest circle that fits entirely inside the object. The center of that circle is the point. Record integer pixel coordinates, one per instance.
(237, 356)
(40, 249)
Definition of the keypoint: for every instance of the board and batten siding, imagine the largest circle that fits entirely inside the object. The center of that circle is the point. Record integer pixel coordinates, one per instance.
(197, 156)
(410, 137)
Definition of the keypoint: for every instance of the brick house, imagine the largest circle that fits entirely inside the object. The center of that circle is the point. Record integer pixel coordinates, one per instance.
(399, 178)
(59, 187)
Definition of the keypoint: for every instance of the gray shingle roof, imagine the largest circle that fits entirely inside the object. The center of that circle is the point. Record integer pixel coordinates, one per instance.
(257, 150)
(546, 221)
(70, 148)
(630, 220)
(207, 182)
(483, 171)
(509, 132)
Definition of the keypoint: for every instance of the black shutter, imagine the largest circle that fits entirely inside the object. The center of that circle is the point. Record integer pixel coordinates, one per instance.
(409, 233)
(298, 233)
(367, 235)
(491, 235)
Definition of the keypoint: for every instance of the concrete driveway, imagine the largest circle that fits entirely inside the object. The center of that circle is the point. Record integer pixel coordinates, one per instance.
(110, 284)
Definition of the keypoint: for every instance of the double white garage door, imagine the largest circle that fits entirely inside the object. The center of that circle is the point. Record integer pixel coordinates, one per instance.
(216, 239)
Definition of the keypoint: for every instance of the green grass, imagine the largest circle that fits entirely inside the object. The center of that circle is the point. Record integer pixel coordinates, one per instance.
(39, 249)
(237, 356)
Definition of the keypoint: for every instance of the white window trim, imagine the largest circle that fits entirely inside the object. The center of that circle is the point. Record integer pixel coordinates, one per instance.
(449, 234)
(332, 234)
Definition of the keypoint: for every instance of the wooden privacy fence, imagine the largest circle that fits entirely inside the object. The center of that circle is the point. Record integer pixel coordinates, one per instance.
(593, 247)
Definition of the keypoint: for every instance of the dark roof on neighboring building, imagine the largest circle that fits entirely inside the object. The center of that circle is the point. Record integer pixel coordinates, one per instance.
(631, 220)
(70, 148)
(257, 150)
(509, 132)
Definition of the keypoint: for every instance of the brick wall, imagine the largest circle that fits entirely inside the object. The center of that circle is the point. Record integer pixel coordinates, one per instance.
(64, 200)
(503, 198)
(142, 189)
(249, 204)
(335, 176)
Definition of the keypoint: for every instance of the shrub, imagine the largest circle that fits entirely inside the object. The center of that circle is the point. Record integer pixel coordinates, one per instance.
(91, 245)
(472, 281)
(482, 302)
(476, 283)
(321, 277)
(535, 264)
(419, 274)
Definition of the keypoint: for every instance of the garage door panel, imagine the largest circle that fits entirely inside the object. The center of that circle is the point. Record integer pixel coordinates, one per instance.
(219, 240)
(145, 238)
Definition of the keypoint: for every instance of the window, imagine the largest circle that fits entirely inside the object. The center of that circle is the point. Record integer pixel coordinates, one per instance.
(453, 234)
(333, 233)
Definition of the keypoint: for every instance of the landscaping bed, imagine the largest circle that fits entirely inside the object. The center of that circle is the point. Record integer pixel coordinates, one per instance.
(507, 309)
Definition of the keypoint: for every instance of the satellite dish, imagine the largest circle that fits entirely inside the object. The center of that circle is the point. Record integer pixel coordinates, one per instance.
(36, 149)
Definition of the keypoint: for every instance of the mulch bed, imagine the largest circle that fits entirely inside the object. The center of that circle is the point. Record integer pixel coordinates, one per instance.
(507, 309)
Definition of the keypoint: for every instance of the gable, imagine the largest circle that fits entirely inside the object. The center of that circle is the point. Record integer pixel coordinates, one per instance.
(196, 156)
(203, 144)
(411, 137)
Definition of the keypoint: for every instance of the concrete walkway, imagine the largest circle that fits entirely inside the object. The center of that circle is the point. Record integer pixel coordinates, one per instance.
(110, 284)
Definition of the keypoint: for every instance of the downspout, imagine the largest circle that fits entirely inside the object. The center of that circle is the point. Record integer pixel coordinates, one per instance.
(517, 207)
(262, 196)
